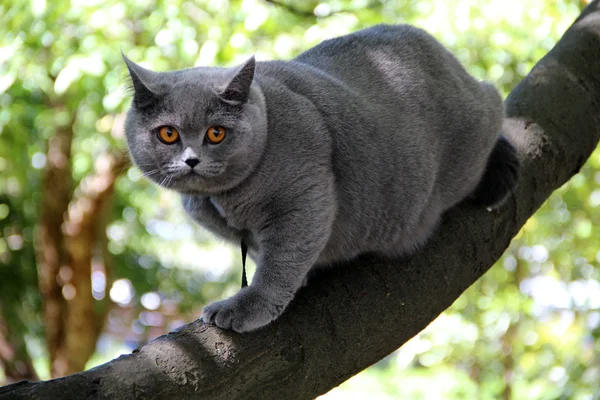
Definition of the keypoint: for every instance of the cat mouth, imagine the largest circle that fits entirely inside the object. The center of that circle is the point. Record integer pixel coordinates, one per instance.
(192, 180)
(204, 174)
(210, 171)
(187, 182)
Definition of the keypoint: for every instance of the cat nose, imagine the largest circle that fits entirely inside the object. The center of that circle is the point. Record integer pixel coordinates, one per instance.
(192, 162)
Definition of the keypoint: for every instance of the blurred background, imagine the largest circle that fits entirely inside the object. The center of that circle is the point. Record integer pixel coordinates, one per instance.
(95, 260)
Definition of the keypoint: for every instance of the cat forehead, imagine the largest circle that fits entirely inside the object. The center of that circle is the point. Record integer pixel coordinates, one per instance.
(193, 88)
(198, 76)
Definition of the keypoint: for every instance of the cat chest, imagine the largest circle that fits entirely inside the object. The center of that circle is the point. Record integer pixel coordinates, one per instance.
(231, 219)
(217, 206)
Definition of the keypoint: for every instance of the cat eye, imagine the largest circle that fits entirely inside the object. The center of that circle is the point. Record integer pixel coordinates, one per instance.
(215, 134)
(168, 135)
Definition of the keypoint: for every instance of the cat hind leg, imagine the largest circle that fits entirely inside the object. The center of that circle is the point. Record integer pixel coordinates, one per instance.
(500, 177)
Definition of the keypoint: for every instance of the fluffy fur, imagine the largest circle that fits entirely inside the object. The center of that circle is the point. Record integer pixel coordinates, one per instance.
(357, 145)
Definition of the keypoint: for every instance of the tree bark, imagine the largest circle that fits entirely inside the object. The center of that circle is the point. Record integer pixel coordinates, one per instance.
(352, 316)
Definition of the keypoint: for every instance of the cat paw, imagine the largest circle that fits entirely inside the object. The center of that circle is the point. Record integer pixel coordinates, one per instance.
(246, 311)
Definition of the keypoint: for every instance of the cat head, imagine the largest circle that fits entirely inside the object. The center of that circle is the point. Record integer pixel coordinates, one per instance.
(196, 131)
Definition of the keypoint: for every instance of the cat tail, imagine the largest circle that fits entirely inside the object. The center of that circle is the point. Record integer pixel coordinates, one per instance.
(500, 177)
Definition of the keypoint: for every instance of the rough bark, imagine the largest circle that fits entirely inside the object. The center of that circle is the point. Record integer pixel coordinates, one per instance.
(353, 316)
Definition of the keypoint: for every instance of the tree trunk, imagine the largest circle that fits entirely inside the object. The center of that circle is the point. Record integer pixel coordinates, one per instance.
(84, 227)
(56, 194)
(14, 358)
(71, 228)
(350, 317)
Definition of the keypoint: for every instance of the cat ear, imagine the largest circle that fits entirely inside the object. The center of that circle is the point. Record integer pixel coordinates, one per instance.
(142, 83)
(237, 89)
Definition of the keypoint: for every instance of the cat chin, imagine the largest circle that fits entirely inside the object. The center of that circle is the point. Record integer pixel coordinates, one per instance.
(189, 184)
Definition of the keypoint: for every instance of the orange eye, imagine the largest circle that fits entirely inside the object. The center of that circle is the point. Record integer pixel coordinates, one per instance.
(215, 134)
(168, 135)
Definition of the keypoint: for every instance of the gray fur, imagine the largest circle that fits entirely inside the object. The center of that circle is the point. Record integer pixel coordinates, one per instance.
(357, 145)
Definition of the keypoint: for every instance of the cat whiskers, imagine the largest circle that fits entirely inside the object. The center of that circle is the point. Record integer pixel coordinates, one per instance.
(163, 182)
(146, 174)
(129, 163)
(169, 179)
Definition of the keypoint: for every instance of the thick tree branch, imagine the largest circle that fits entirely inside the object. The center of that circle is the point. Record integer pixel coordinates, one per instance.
(354, 315)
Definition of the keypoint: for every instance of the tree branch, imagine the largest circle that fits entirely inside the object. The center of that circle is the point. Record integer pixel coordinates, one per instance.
(292, 9)
(354, 315)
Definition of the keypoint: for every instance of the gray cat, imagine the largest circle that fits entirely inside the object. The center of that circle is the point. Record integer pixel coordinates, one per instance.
(357, 145)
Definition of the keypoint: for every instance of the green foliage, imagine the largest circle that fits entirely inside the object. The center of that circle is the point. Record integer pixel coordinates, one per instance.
(528, 329)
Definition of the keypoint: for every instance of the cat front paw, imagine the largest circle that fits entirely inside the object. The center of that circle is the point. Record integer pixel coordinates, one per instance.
(246, 311)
